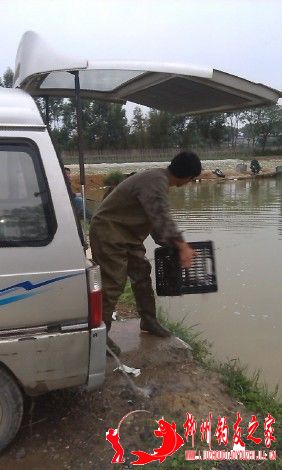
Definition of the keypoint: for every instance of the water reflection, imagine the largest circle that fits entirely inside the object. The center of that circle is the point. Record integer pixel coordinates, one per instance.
(241, 205)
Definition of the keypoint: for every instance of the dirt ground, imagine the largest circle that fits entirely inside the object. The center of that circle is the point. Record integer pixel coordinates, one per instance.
(66, 429)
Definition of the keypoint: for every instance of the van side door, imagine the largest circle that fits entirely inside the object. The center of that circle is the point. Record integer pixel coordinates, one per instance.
(43, 287)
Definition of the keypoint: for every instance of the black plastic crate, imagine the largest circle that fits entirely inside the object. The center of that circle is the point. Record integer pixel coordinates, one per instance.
(172, 279)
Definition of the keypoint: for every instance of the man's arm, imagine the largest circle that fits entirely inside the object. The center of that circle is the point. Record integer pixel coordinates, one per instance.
(154, 199)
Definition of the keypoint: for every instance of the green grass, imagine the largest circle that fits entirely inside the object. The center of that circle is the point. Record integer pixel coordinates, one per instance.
(113, 178)
(127, 298)
(248, 390)
(256, 398)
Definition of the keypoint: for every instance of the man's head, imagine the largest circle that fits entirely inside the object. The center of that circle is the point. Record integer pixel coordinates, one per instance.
(68, 173)
(183, 168)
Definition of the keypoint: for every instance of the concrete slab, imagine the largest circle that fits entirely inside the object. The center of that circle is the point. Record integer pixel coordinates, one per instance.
(143, 348)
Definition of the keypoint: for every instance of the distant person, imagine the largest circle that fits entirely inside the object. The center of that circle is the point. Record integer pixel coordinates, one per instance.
(137, 207)
(255, 166)
(76, 197)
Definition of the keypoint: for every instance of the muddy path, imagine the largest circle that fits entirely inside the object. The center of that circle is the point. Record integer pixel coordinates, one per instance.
(66, 429)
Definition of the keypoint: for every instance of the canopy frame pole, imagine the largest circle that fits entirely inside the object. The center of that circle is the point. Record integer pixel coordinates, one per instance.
(78, 107)
(47, 112)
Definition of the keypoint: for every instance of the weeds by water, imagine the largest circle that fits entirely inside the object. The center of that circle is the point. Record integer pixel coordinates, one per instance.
(247, 390)
(113, 178)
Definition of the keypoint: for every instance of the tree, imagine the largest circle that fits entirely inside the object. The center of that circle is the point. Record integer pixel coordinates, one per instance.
(270, 123)
(233, 121)
(61, 120)
(180, 133)
(8, 79)
(206, 130)
(117, 126)
(250, 129)
(56, 106)
(105, 125)
(139, 129)
(159, 129)
(261, 123)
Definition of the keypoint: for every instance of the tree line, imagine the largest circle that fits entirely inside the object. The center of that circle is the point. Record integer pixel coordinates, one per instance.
(106, 126)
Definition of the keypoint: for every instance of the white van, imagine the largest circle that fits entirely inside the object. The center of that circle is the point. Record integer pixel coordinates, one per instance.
(51, 330)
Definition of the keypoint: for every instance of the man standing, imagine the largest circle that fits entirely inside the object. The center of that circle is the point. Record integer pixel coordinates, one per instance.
(137, 207)
(76, 197)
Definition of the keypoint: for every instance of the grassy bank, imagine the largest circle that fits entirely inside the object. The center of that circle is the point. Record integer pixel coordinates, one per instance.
(247, 390)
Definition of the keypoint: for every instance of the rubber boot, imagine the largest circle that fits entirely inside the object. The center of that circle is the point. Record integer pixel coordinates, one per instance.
(110, 343)
(151, 325)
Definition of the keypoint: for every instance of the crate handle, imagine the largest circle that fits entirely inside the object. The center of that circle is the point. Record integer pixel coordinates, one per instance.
(210, 267)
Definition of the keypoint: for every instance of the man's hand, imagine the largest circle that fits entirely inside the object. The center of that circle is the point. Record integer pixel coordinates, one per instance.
(186, 254)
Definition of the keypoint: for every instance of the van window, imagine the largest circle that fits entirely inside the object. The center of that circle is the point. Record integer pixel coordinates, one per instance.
(26, 211)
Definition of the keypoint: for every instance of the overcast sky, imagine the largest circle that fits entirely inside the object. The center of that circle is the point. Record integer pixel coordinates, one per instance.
(243, 37)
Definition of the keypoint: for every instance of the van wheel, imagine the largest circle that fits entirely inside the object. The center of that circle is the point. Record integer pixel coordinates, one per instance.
(11, 408)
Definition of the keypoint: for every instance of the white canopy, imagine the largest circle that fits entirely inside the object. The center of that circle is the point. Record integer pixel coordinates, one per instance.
(178, 88)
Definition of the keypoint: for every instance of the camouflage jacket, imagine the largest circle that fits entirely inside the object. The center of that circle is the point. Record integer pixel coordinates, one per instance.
(137, 207)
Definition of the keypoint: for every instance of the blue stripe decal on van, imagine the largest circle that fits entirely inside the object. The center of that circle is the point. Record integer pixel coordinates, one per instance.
(29, 286)
(15, 298)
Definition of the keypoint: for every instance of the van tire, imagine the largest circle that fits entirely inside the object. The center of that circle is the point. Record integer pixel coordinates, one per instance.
(11, 408)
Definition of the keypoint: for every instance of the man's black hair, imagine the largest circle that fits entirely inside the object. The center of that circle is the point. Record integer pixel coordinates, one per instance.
(185, 164)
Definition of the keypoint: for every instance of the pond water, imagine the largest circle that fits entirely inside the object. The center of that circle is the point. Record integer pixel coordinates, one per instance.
(244, 219)
(243, 319)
